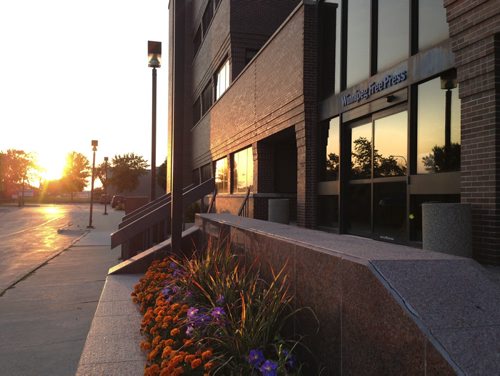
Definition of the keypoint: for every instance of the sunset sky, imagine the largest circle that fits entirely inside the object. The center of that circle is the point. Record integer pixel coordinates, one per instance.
(72, 71)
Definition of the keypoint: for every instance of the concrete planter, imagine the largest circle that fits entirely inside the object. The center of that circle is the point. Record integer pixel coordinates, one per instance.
(279, 210)
(446, 228)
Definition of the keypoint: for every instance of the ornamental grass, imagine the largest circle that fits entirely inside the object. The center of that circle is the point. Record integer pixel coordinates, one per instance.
(214, 315)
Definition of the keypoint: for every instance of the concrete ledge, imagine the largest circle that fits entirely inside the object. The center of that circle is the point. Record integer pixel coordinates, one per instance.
(140, 262)
(112, 345)
(383, 308)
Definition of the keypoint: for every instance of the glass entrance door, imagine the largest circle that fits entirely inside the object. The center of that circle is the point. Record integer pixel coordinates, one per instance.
(377, 199)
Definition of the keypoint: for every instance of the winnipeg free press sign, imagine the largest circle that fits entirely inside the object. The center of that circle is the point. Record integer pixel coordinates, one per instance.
(375, 87)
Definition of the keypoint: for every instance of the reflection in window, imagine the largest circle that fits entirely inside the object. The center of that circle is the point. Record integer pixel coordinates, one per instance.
(361, 151)
(393, 32)
(432, 26)
(222, 176)
(389, 211)
(332, 150)
(436, 153)
(243, 170)
(359, 212)
(389, 156)
(358, 41)
(222, 80)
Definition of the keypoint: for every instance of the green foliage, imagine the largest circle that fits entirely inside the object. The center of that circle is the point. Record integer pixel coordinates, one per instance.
(126, 170)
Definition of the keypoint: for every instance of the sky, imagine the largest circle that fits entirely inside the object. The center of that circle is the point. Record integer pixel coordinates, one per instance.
(74, 71)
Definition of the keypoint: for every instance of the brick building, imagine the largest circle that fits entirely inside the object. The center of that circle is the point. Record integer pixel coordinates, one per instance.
(357, 114)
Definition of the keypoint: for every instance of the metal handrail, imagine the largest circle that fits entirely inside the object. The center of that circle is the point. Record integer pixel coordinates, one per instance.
(244, 205)
(159, 214)
(139, 212)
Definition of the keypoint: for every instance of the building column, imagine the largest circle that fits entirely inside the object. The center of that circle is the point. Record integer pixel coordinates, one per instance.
(263, 175)
(475, 36)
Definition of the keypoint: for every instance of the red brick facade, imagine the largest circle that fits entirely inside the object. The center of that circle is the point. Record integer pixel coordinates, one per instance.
(475, 37)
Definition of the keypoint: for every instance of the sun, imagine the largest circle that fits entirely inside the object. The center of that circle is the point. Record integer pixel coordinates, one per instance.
(51, 165)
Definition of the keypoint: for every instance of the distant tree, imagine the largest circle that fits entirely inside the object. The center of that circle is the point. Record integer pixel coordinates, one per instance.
(332, 166)
(75, 173)
(126, 170)
(161, 175)
(17, 169)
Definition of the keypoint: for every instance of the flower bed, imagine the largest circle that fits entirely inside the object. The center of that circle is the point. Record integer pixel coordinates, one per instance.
(212, 315)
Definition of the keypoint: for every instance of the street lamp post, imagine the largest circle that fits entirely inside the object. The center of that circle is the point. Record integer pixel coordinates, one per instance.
(154, 61)
(105, 185)
(94, 149)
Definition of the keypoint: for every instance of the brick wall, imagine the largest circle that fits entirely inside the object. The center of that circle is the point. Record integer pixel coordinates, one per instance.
(265, 99)
(475, 36)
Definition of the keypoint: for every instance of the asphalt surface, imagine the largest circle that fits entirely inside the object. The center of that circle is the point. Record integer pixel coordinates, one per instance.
(58, 268)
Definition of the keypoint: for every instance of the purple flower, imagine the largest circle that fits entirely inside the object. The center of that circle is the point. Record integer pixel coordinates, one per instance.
(202, 320)
(172, 265)
(256, 358)
(218, 313)
(192, 313)
(189, 330)
(166, 292)
(220, 300)
(269, 368)
(290, 361)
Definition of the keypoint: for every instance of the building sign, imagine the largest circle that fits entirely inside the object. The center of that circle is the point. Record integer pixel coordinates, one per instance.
(375, 87)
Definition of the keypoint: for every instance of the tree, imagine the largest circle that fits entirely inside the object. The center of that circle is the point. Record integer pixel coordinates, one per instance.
(76, 172)
(17, 168)
(126, 170)
(439, 160)
(161, 175)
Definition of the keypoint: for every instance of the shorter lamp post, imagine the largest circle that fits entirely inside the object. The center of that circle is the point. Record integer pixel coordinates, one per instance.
(94, 149)
(105, 185)
(154, 61)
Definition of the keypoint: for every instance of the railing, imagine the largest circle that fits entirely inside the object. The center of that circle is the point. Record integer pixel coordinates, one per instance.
(146, 227)
(243, 211)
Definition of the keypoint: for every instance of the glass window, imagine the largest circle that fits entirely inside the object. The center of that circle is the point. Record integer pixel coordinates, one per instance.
(328, 211)
(206, 172)
(332, 150)
(389, 211)
(436, 153)
(207, 16)
(391, 135)
(222, 176)
(393, 32)
(196, 111)
(358, 41)
(222, 80)
(243, 170)
(359, 212)
(197, 41)
(206, 98)
(361, 151)
(432, 25)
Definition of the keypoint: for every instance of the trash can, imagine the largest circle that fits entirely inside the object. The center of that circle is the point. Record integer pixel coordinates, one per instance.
(447, 228)
(279, 210)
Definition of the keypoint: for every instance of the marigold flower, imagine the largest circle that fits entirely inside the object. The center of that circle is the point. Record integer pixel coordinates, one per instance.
(174, 332)
(196, 363)
(189, 358)
(209, 365)
(166, 352)
(206, 354)
(177, 359)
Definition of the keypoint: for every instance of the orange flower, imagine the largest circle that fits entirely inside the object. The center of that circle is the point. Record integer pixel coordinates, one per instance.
(178, 371)
(196, 363)
(174, 332)
(145, 345)
(206, 354)
(166, 352)
(154, 370)
(209, 366)
(177, 359)
(189, 358)
(188, 342)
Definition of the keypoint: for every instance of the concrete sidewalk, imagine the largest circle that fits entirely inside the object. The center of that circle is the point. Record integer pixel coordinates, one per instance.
(45, 318)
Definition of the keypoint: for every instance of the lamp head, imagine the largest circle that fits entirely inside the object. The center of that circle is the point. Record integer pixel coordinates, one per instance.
(154, 54)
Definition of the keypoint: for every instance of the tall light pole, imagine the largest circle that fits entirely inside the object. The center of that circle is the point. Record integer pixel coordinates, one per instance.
(94, 149)
(154, 61)
(105, 185)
